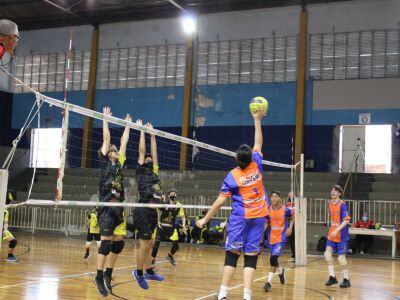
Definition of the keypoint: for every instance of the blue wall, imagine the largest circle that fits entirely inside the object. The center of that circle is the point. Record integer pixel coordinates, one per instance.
(220, 117)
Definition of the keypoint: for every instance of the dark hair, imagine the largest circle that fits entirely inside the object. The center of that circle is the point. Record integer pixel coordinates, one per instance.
(243, 156)
(172, 190)
(276, 192)
(338, 188)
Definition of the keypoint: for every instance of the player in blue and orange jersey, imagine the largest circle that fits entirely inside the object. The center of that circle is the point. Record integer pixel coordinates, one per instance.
(338, 237)
(249, 209)
(280, 223)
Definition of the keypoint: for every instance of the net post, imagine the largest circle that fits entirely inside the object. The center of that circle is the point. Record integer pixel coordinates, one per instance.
(301, 221)
(63, 151)
(3, 196)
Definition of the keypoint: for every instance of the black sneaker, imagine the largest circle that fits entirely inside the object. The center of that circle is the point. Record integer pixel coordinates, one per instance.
(101, 289)
(267, 286)
(345, 283)
(331, 281)
(282, 277)
(171, 260)
(107, 283)
(86, 257)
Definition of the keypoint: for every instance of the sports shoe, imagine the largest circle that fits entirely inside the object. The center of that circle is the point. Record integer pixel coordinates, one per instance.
(86, 257)
(345, 283)
(171, 259)
(267, 286)
(12, 259)
(101, 289)
(107, 283)
(282, 277)
(141, 280)
(362, 252)
(155, 276)
(331, 281)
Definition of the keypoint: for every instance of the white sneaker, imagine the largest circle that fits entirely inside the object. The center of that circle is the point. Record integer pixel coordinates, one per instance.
(362, 252)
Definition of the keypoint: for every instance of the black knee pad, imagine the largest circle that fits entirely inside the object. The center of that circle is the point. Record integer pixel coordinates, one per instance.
(250, 261)
(274, 261)
(175, 247)
(105, 247)
(231, 259)
(155, 248)
(117, 246)
(12, 244)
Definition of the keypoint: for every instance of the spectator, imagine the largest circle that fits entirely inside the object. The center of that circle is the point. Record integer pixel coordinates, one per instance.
(197, 233)
(363, 242)
(216, 235)
(290, 204)
(184, 231)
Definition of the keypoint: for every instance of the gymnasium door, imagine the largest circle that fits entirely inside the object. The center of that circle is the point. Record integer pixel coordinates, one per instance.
(352, 142)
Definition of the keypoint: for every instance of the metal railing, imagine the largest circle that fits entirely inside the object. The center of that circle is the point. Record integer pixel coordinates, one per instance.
(73, 221)
(385, 212)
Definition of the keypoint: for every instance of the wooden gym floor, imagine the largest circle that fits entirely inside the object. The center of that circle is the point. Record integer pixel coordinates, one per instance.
(52, 268)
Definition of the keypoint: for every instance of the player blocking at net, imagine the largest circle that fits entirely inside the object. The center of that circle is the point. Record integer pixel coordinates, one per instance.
(249, 210)
(111, 219)
(145, 218)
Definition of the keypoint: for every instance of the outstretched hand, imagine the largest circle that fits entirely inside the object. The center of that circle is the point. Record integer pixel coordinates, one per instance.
(258, 115)
(107, 111)
(128, 118)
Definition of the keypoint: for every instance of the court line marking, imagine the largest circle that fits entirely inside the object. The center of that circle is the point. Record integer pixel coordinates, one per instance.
(55, 279)
(264, 277)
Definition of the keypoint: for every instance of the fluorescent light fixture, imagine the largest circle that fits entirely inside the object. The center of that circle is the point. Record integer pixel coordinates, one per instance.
(189, 24)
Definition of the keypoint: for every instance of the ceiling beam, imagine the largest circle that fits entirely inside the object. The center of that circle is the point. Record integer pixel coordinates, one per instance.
(68, 11)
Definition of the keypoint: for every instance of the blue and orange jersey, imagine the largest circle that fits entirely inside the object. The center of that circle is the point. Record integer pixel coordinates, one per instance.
(338, 213)
(278, 220)
(245, 187)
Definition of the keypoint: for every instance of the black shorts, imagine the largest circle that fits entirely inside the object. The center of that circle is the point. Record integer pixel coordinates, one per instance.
(164, 233)
(92, 236)
(109, 218)
(145, 220)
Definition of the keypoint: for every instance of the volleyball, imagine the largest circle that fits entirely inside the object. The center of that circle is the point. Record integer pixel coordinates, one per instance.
(258, 104)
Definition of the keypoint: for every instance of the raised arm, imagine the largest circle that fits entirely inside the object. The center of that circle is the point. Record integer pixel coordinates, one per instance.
(258, 137)
(142, 144)
(153, 145)
(125, 136)
(106, 131)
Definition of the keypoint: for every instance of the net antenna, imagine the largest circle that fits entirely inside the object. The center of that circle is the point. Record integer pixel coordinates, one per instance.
(65, 119)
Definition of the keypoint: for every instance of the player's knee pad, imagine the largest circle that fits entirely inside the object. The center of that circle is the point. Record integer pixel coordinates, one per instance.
(117, 246)
(328, 255)
(342, 260)
(231, 259)
(98, 243)
(250, 261)
(12, 244)
(273, 260)
(175, 247)
(105, 247)
(155, 249)
(88, 244)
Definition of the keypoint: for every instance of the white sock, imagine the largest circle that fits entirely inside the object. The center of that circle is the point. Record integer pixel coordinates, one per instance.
(346, 274)
(280, 270)
(223, 291)
(270, 276)
(246, 294)
(331, 270)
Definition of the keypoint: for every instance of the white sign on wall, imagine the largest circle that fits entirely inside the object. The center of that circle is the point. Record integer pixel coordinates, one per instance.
(364, 119)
